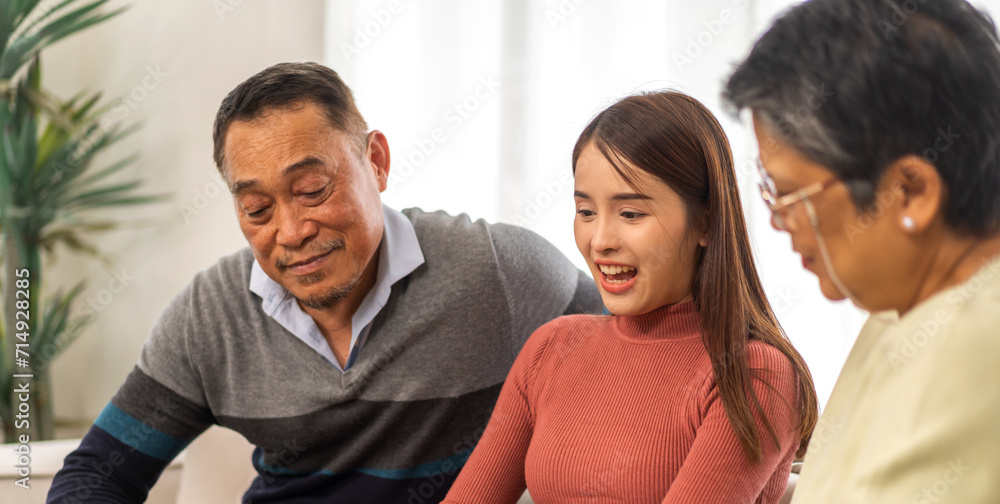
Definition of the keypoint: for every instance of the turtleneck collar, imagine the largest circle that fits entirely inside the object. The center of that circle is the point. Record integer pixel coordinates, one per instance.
(668, 322)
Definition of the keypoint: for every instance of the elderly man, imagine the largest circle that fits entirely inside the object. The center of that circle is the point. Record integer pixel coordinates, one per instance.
(361, 349)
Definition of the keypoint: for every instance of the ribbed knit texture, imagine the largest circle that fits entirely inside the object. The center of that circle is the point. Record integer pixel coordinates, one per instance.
(626, 410)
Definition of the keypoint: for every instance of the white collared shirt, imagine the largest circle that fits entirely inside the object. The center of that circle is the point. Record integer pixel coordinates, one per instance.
(399, 256)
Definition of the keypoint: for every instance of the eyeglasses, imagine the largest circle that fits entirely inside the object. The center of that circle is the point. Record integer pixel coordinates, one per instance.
(777, 204)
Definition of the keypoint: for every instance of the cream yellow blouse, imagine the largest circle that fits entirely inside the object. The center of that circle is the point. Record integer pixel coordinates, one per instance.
(915, 414)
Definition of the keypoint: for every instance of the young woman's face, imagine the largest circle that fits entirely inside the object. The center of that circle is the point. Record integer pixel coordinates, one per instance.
(636, 240)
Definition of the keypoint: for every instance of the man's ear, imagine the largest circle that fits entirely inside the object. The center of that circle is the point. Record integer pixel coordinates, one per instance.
(377, 157)
(918, 183)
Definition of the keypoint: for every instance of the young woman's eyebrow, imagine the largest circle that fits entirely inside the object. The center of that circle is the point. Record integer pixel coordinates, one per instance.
(616, 197)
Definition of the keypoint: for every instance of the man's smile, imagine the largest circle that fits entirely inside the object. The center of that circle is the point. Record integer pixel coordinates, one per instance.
(309, 265)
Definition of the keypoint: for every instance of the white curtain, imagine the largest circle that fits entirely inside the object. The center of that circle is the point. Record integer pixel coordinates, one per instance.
(482, 102)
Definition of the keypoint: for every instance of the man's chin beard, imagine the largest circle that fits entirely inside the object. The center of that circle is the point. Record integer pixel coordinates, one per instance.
(331, 298)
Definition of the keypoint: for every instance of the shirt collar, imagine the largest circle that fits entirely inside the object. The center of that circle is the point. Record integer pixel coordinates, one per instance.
(399, 255)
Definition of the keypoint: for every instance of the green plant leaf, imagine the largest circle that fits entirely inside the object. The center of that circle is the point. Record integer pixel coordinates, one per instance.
(12, 14)
(42, 16)
(24, 46)
(121, 201)
(70, 161)
(50, 192)
(56, 329)
(109, 170)
(70, 238)
(95, 195)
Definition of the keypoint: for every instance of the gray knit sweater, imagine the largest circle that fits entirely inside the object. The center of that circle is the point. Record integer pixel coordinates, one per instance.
(395, 427)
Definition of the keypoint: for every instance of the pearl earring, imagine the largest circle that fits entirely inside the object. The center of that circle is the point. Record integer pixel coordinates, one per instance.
(907, 222)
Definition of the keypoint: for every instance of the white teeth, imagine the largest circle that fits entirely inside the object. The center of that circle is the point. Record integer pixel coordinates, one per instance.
(614, 270)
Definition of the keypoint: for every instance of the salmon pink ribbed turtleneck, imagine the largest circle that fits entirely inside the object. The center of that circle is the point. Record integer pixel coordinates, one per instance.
(626, 410)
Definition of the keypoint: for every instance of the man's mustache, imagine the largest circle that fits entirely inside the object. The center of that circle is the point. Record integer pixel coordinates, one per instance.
(285, 261)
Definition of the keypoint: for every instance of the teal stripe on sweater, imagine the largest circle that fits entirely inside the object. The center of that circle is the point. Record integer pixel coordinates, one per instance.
(138, 435)
(444, 466)
(448, 465)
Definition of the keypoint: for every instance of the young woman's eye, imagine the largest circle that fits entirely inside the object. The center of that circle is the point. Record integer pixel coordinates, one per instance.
(585, 213)
(632, 215)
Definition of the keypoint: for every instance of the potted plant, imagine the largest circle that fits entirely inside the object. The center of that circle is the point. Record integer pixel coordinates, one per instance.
(51, 194)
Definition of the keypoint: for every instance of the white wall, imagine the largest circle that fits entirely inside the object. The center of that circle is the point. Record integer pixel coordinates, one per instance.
(505, 155)
(555, 64)
(203, 49)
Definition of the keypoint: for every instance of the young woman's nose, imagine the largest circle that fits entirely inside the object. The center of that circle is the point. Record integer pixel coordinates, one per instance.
(605, 237)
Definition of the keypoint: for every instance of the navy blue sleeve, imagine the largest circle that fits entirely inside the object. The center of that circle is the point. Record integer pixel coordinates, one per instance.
(135, 437)
(104, 469)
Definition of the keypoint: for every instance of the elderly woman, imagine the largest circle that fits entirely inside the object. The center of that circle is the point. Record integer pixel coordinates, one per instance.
(879, 131)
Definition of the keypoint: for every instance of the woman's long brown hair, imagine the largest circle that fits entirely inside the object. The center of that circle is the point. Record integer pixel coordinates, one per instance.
(676, 139)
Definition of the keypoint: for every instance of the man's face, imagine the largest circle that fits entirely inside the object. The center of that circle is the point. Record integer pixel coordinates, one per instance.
(308, 202)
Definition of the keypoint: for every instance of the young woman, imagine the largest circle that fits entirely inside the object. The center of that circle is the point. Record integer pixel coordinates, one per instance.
(689, 391)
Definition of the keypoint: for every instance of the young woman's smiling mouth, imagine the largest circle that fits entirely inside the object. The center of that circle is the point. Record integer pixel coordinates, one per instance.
(617, 278)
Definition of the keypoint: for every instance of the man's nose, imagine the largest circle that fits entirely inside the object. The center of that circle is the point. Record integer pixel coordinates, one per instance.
(293, 227)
